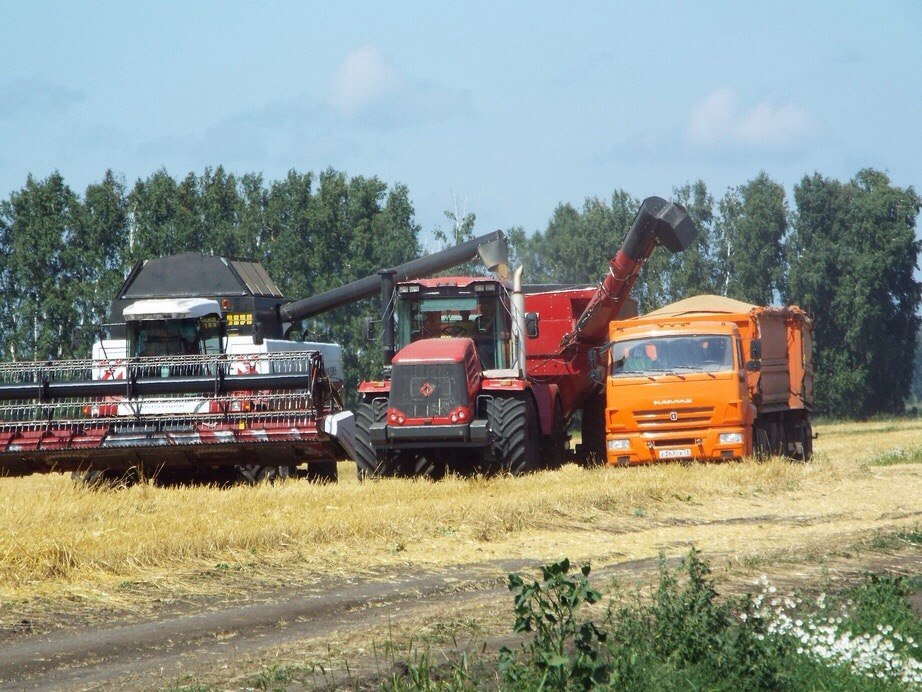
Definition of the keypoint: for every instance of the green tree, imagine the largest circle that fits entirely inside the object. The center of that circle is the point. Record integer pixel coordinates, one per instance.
(695, 271)
(751, 225)
(98, 254)
(666, 276)
(917, 370)
(219, 206)
(851, 261)
(253, 202)
(42, 220)
(576, 246)
(153, 206)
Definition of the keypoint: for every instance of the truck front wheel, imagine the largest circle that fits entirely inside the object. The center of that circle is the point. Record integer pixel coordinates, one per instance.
(516, 437)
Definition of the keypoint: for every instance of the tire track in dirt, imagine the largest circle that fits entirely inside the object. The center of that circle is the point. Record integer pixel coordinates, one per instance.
(88, 655)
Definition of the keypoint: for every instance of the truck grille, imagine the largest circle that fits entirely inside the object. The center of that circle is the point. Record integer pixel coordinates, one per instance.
(426, 390)
(661, 419)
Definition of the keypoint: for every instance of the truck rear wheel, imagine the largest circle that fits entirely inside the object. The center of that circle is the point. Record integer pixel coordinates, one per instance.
(515, 434)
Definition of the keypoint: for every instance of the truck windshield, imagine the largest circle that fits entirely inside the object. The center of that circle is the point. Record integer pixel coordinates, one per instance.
(183, 337)
(481, 317)
(692, 353)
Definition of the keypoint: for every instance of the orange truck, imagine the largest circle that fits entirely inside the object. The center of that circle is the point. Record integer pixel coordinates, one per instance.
(709, 378)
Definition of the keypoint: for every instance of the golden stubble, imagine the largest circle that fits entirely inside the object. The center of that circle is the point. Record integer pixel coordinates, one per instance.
(58, 539)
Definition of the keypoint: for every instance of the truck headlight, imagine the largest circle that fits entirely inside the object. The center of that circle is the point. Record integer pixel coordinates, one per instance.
(730, 438)
(618, 445)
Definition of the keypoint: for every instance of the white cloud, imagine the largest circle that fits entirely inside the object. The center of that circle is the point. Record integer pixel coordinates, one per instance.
(719, 120)
(35, 96)
(364, 78)
(366, 89)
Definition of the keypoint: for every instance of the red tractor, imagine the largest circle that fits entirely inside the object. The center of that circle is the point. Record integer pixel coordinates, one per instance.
(483, 374)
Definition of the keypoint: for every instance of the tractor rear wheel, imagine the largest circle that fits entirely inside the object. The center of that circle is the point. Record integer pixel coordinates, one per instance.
(516, 435)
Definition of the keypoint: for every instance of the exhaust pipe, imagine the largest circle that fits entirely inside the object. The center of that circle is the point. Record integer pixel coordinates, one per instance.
(517, 303)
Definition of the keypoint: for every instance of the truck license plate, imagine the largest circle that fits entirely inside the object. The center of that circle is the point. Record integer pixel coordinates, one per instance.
(674, 453)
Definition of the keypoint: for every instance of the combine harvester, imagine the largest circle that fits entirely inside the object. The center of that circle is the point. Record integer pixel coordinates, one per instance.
(194, 375)
(481, 373)
(710, 378)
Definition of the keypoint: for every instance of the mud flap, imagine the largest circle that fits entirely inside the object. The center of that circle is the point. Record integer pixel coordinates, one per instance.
(341, 427)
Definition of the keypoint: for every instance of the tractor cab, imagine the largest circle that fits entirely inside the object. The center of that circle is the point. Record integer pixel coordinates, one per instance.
(458, 307)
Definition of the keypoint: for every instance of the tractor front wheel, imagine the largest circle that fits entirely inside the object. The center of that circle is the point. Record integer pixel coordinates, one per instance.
(516, 435)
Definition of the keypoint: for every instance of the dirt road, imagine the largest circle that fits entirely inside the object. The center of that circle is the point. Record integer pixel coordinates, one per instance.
(219, 643)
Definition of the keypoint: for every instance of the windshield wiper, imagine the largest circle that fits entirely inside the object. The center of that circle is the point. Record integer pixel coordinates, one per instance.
(692, 368)
(666, 371)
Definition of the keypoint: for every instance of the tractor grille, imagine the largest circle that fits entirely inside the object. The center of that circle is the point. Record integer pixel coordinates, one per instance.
(425, 390)
(661, 419)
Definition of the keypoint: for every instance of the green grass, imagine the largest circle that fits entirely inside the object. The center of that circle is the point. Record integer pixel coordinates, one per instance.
(911, 455)
(682, 636)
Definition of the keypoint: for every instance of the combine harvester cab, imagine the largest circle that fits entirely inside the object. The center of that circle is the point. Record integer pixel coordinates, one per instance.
(193, 377)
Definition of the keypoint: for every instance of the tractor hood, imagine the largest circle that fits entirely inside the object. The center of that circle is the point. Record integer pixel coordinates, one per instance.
(435, 351)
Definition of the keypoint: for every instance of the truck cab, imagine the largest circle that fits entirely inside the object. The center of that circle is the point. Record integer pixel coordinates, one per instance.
(677, 391)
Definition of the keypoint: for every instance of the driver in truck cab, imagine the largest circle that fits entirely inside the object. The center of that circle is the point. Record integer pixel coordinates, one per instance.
(641, 357)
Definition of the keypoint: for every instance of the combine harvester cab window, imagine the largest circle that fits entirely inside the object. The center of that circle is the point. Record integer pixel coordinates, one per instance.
(698, 353)
(188, 337)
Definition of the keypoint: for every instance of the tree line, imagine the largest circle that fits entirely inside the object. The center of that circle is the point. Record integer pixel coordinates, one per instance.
(846, 252)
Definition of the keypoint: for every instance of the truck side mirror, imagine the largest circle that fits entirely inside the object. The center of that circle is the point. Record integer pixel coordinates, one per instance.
(755, 349)
(368, 330)
(753, 365)
(259, 334)
(531, 324)
(596, 370)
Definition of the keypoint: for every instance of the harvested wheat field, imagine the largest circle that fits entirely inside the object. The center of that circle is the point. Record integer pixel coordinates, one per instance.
(71, 555)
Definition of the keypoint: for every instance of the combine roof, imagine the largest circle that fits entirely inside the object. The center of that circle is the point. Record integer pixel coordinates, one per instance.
(703, 305)
(193, 274)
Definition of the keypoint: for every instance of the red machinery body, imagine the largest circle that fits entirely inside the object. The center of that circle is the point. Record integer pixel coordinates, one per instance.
(487, 375)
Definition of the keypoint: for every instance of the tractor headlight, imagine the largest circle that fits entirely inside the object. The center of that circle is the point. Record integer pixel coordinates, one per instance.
(730, 438)
(618, 445)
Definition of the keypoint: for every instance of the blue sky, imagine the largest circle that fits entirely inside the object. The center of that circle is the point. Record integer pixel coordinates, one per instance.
(501, 109)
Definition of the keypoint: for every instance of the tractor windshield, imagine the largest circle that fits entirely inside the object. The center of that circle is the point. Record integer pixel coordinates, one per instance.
(480, 316)
(692, 353)
(178, 337)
